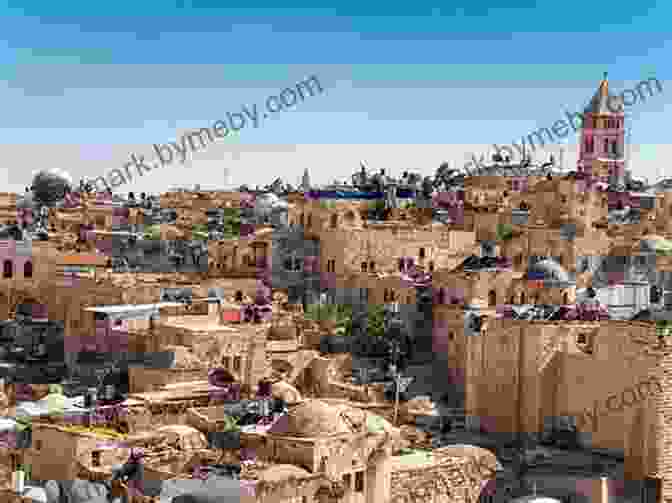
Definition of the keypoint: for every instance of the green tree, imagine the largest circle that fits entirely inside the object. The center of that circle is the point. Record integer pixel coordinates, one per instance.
(376, 321)
(504, 232)
(153, 232)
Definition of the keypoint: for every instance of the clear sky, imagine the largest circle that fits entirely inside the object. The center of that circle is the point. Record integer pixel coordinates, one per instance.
(85, 84)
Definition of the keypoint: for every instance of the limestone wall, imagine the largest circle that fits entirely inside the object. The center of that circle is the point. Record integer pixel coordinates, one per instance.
(452, 481)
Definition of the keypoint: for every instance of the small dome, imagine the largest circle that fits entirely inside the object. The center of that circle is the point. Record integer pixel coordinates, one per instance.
(547, 270)
(277, 473)
(311, 419)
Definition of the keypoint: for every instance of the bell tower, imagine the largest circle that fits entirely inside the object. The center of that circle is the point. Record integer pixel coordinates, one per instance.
(602, 149)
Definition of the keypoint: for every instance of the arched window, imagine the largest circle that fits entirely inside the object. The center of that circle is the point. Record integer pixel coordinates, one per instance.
(565, 298)
(334, 221)
(372, 266)
(492, 298)
(431, 267)
(402, 262)
(522, 298)
(7, 269)
(28, 269)
(512, 300)
(364, 266)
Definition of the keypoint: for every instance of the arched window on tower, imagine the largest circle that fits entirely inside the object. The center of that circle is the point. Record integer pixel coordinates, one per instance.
(28, 269)
(7, 269)
(492, 298)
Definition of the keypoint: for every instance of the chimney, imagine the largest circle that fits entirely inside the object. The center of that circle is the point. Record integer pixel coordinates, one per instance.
(600, 490)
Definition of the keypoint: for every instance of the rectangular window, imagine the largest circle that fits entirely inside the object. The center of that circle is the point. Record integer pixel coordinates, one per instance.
(359, 482)
(236, 363)
(347, 481)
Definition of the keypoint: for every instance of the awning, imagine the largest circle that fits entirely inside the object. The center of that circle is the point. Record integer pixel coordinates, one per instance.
(132, 311)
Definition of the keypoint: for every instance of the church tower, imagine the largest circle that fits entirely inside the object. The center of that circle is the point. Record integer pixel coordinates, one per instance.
(602, 150)
(305, 181)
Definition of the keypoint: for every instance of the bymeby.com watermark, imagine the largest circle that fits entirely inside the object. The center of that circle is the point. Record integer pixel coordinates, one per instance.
(561, 128)
(617, 402)
(178, 150)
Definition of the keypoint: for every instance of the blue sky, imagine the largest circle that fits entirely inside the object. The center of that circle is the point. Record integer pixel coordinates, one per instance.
(405, 86)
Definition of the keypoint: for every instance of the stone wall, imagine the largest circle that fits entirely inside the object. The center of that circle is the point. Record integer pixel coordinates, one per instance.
(451, 481)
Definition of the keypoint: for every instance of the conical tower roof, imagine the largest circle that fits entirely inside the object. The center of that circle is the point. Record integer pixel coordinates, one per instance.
(604, 103)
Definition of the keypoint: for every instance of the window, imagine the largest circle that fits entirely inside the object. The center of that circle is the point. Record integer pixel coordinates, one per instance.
(310, 221)
(581, 339)
(226, 362)
(522, 298)
(451, 336)
(492, 298)
(347, 480)
(565, 298)
(334, 221)
(364, 266)
(372, 266)
(359, 482)
(422, 253)
(7, 269)
(431, 267)
(401, 263)
(442, 296)
(28, 269)
(236, 364)
(606, 146)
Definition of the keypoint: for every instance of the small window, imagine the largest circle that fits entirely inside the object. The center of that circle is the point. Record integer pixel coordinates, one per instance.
(226, 362)
(364, 267)
(28, 269)
(7, 269)
(347, 481)
(334, 221)
(451, 336)
(372, 266)
(581, 339)
(422, 253)
(236, 364)
(431, 267)
(38, 445)
(359, 482)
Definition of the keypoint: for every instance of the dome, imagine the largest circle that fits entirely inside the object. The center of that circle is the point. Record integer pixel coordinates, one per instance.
(548, 270)
(277, 473)
(311, 419)
(50, 185)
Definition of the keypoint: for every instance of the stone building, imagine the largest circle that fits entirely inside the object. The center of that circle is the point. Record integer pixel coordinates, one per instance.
(357, 449)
